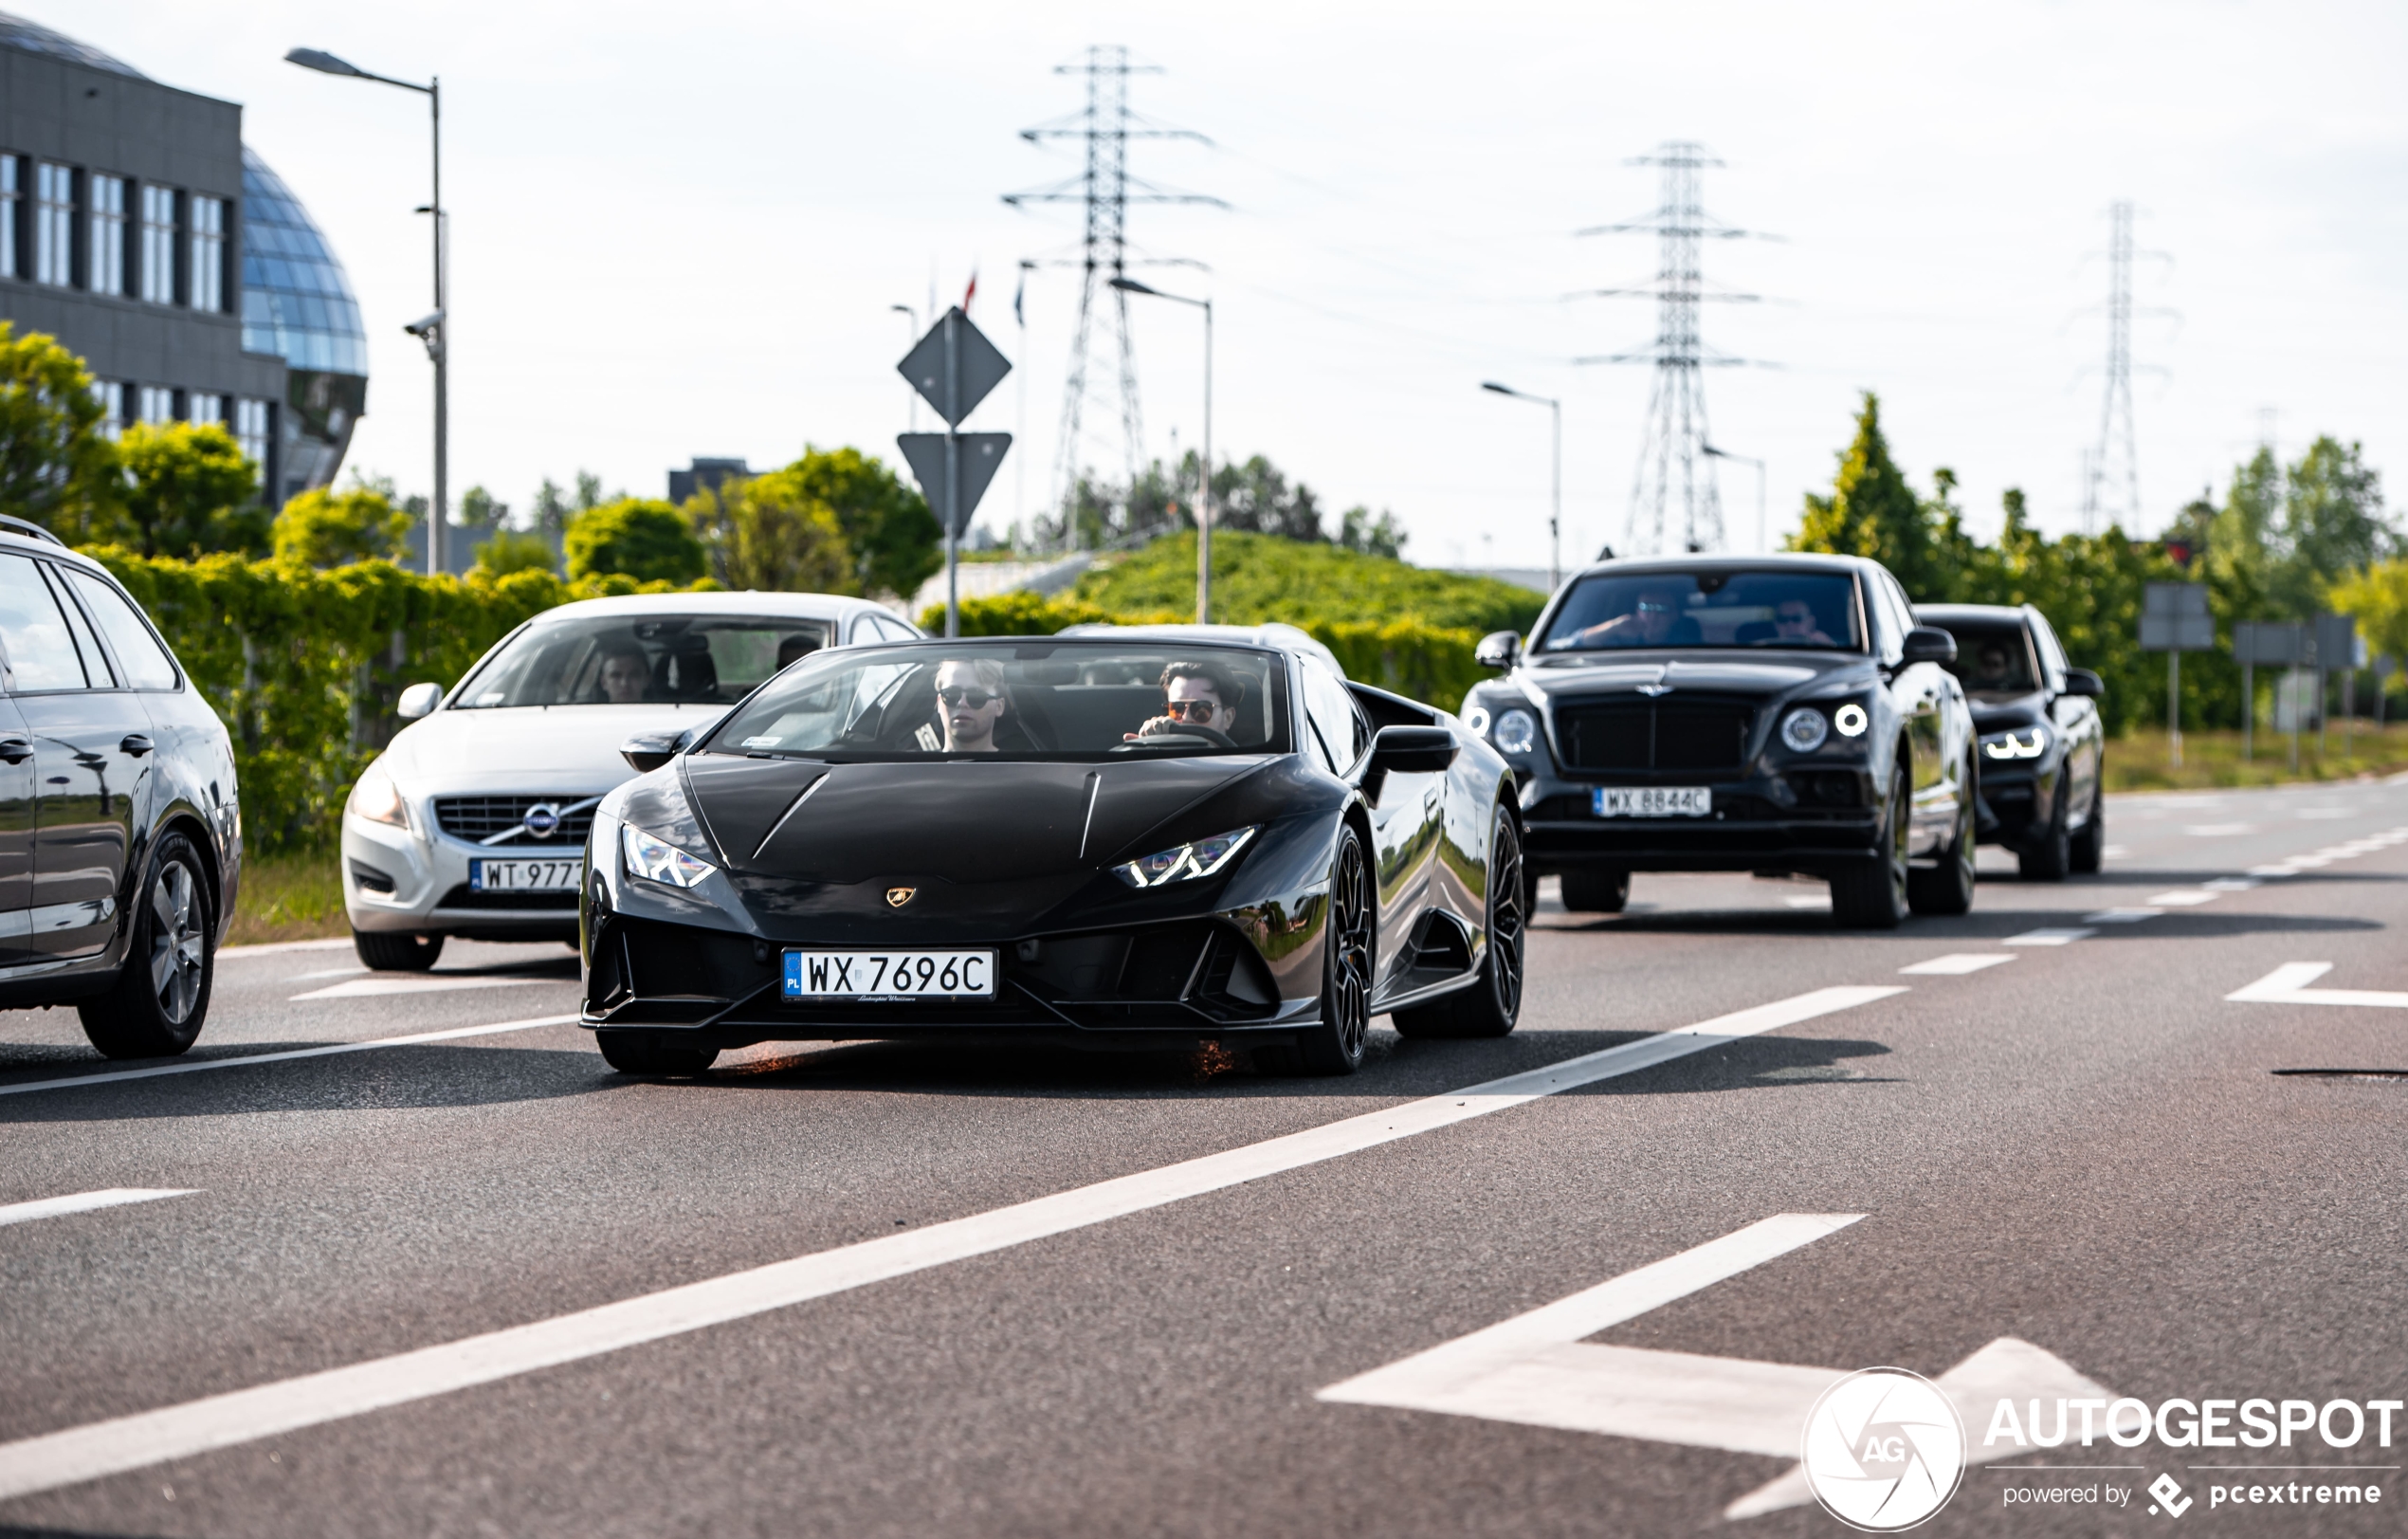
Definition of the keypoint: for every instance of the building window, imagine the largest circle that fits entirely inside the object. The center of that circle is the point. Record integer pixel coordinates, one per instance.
(157, 403)
(53, 224)
(111, 395)
(205, 406)
(105, 267)
(11, 196)
(208, 253)
(158, 244)
(250, 430)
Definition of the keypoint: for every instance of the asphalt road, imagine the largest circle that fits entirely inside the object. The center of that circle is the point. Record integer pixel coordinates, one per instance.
(2086, 1148)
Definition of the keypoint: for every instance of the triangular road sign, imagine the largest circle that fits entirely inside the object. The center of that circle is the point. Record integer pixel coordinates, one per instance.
(981, 456)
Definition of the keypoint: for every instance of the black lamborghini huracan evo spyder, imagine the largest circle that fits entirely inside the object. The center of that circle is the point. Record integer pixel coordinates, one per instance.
(1141, 838)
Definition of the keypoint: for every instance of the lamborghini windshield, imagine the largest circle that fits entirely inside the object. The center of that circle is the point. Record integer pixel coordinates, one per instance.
(1040, 700)
(1612, 611)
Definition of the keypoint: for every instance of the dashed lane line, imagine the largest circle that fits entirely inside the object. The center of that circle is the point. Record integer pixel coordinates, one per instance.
(1955, 963)
(245, 1061)
(2050, 937)
(386, 983)
(102, 1448)
(108, 1196)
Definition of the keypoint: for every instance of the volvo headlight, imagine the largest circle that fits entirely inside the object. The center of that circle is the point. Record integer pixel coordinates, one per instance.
(2029, 743)
(1517, 731)
(1805, 729)
(657, 860)
(377, 798)
(1185, 862)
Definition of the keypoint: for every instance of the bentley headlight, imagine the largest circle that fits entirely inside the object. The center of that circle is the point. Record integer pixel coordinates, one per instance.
(1185, 862)
(1805, 728)
(378, 799)
(2029, 743)
(1517, 731)
(1475, 720)
(1850, 720)
(657, 860)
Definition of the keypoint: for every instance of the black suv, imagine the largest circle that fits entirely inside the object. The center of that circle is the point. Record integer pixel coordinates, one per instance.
(2043, 746)
(119, 839)
(1771, 713)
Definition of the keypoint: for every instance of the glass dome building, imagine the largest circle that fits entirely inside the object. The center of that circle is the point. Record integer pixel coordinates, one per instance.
(298, 304)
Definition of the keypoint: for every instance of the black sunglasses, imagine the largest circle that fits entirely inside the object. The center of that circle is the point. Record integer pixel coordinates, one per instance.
(954, 694)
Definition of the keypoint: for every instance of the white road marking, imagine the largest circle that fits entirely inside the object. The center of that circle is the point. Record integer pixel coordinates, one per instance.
(109, 1196)
(2057, 937)
(2121, 916)
(2116, 852)
(203, 1065)
(362, 988)
(87, 1453)
(1957, 963)
(2287, 984)
(2183, 898)
(1535, 1370)
(326, 972)
(2231, 883)
(2219, 831)
(1817, 900)
(271, 947)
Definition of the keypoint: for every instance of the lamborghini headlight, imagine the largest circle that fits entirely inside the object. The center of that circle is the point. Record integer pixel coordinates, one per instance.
(2028, 742)
(1185, 862)
(378, 799)
(657, 860)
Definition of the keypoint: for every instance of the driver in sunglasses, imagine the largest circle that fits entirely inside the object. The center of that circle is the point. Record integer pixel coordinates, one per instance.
(1195, 694)
(970, 696)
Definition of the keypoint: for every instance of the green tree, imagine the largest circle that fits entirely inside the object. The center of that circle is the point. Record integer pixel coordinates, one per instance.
(56, 465)
(191, 490)
(1359, 531)
(325, 528)
(1872, 511)
(1256, 498)
(895, 542)
(514, 550)
(771, 533)
(2333, 524)
(635, 537)
(2377, 596)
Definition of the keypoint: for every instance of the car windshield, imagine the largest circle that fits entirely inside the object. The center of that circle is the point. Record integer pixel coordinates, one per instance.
(1992, 659)
(640, 660)
(1616, 610)
(1032, 700)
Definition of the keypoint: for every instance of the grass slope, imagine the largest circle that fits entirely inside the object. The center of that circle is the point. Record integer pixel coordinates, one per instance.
(1260, 577)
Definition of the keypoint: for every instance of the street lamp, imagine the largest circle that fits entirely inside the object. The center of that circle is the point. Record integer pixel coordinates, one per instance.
(434, 330)
(1727, 454)
(1204, 487)
(1555, 512)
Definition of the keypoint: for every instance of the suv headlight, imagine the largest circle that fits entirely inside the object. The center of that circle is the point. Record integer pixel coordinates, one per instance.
(378, 799)
(1185, 862)
(1517, 731)
(2027, 742)
(657, 860)
(1805, 729)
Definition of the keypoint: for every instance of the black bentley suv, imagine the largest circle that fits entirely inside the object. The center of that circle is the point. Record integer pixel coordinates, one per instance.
(1771, 714)
(2043, 746)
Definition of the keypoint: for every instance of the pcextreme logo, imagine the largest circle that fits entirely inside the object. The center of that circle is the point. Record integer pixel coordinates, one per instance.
(1884, 1450)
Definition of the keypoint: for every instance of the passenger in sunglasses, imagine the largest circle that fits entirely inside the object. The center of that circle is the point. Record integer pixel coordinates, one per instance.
(1195, 694)
(970, 697)
(1656, 619)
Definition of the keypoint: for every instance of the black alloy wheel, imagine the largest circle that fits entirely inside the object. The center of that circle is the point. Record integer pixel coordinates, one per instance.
(647, 1053)
(160, 998)
(1947, 887)
(1596, 891)
(1335, 1046)
(389, 952)
(2089, 849)
(1493, 1002)
(2050, 856)
(1872, 895)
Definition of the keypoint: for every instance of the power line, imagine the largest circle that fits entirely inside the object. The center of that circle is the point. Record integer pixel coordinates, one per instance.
(2111, 477)
(1674, 469)
(1105, 187)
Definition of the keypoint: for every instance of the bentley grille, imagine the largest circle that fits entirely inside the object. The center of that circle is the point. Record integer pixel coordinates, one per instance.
(1699, 735)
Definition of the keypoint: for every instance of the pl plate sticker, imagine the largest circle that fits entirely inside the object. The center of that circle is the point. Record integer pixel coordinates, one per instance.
(1884, 1450)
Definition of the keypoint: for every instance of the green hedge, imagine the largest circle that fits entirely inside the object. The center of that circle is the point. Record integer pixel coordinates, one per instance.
(304, 666)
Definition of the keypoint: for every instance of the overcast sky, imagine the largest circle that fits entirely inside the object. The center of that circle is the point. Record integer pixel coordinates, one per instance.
(678, 230)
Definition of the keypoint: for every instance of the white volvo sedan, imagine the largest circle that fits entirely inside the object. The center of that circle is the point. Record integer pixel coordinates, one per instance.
(473, 821)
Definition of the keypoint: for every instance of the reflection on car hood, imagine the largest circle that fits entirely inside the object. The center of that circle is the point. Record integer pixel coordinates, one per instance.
(530, 748)
(957, 820)
(1996, 712)
(1622, 671)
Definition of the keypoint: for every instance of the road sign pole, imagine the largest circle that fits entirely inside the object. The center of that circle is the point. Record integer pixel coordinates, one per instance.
(2249, 705)
(952, 486)
(2291, 683)
(2174, 703)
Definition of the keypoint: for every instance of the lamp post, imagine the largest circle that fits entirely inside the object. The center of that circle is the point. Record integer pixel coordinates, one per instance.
(432, 330)
(1204, 478)
(1727, 454)
(1555, 508)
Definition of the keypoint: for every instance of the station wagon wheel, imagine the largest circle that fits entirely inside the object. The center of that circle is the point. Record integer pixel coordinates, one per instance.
(161, 994)
(1335, 1046)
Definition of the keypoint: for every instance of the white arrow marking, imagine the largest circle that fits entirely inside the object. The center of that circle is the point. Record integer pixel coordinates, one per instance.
(2287, 984)
(52, 1207)
(1535, 1370)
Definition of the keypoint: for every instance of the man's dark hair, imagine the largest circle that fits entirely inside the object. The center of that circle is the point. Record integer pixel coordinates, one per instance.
(1227, 685)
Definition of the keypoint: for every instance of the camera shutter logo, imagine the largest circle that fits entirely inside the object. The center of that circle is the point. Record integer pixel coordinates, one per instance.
(1884, 1450)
